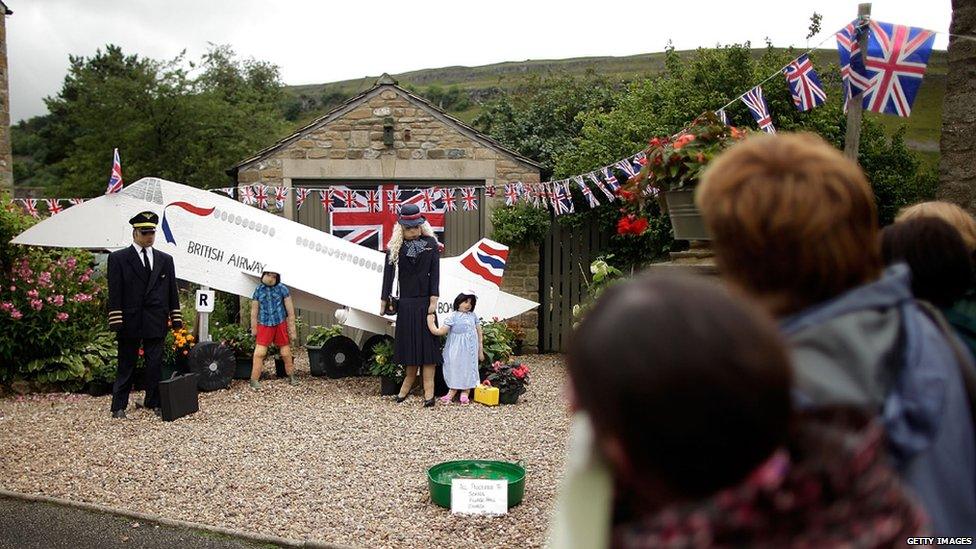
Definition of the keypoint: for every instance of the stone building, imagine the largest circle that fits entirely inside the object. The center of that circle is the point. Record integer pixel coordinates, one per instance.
(6, 161)
(957, 174)
(387, 135)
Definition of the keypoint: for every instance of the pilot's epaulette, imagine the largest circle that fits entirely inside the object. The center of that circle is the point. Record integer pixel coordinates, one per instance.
(175, 315)
(115, 317)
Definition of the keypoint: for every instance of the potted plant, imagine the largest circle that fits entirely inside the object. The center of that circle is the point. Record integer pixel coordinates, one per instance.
(672, 168)
(497, 343)
(239, 340)
(381, 364)
(176, 351)
(317, 337)
(510, 379)
(517, 336)
(275, 353)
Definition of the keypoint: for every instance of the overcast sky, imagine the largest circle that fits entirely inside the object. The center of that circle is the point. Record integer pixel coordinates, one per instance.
(315, 42)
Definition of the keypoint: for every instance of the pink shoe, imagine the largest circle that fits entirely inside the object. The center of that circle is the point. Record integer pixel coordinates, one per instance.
(464, 399)
(444, 400)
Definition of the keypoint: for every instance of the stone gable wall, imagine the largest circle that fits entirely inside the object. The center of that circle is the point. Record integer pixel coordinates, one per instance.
(421, 141)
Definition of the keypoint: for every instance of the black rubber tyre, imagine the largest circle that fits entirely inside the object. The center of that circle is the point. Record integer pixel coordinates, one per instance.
(214, 365)
(340, 356)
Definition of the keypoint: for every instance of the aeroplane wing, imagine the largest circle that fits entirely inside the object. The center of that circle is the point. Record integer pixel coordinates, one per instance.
(221, 243)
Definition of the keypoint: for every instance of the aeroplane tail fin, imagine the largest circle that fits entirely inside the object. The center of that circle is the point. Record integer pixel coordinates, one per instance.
(486, 259)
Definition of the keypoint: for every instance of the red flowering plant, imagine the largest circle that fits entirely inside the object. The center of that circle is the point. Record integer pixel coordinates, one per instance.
(507, 378)
(52, 306)
(670, 164)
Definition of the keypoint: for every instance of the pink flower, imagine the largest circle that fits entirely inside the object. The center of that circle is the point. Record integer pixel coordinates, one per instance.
(81, 297)
(61, 317)
(44, 279)
(13, 288)
(37, 304)
(72, 262)
(32, 294)
(6, 306)
(16, 315)
(56, 300)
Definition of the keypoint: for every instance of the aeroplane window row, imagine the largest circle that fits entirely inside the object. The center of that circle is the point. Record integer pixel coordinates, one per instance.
(243, 222)
(339, 254)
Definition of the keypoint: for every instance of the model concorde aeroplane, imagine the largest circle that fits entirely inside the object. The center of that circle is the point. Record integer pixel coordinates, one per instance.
(218, 242)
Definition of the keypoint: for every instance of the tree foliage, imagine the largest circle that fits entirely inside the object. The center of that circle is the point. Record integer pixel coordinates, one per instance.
(175, 119)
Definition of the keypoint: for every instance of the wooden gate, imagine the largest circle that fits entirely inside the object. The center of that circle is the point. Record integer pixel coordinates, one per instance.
(565, 272)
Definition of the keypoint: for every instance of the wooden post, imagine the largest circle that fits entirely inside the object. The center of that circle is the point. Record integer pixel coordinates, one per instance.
(854, 104)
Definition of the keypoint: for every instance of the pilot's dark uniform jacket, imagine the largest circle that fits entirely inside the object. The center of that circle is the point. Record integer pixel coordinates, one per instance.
(142, 297)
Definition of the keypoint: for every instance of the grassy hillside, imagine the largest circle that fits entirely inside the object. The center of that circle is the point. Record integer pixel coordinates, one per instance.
(923, 127)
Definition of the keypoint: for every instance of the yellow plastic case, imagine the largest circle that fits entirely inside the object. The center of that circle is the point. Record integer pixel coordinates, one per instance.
(486, 395)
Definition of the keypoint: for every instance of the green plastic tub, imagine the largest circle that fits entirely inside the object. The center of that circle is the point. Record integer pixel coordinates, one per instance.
(439, 478)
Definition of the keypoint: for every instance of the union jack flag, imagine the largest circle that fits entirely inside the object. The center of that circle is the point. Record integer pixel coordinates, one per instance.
(469, 195)
(638, 161)
(356, 221)
(610, 179)
(115, 180)
(261, 196)
(490, 191)
(627, 168)
(722, 116)
(544, 195)
(563, 199)
(53, 205)
(587, 193)
(76, 201)
(759, 109)
(30, 204)
(897, 56)
(374, 200)
(851, 62)
(599, 184)
(511, 194)
(450, 204)
(247, 195)
(325, 197)
(229, 191)
(280, 195)
(804, 84)
(393, 200)
(300, 196)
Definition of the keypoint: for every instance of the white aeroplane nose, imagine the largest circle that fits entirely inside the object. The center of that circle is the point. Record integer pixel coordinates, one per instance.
(100, 223)
(341, 315)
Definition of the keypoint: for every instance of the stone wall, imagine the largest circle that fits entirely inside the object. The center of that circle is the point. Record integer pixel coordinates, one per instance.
(6, 161)
(426, 146)
(957, 172)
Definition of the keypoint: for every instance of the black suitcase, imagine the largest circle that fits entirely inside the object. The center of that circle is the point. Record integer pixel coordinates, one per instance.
(178, 396)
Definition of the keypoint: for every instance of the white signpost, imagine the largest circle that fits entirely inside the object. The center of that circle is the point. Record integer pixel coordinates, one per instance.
(205, 306)
(479, 496)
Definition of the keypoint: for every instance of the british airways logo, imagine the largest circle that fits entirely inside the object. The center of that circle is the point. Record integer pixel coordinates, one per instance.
(486, 262)
(195, 210)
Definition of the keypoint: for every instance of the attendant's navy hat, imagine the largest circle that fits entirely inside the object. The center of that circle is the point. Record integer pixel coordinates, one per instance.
(144, 220)
(410, 216)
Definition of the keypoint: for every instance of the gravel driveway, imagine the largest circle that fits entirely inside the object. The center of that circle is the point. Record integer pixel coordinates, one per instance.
(326, 460)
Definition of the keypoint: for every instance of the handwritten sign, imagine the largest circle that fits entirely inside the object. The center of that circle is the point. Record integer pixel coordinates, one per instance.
(479, 496)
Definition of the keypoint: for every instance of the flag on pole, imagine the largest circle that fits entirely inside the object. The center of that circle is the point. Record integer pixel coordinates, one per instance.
(53, 205)
(115, 180)
(805, 86)
(852, 71)
(895, 61)
(469, 195)
(722, 116)
(759, 109)
(300, 196)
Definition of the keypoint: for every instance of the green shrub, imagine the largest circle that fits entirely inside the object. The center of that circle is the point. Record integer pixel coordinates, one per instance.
(497, 342)
(318, 335)
(381, 363)
(237, 338)
(520, 224)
